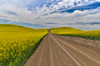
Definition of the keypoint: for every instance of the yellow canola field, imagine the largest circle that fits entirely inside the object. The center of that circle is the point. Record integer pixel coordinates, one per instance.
(68, 31)
(17, 43)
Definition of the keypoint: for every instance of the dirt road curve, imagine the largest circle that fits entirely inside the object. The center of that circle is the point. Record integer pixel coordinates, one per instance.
(57, 50)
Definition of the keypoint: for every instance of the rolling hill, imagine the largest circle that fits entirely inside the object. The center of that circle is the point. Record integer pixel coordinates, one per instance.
(17, 43)
(69, 31)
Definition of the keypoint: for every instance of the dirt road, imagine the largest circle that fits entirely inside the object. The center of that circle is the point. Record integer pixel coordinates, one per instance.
(57, 50)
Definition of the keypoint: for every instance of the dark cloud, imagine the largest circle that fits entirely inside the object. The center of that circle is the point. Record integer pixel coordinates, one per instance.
(11, 13)
(50, 23)
(82, 23)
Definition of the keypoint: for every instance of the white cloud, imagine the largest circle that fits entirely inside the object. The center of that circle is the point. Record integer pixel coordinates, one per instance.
(42, 14)
(71, 3)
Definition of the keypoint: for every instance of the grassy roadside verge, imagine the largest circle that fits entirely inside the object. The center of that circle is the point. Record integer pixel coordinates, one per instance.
(33, 50)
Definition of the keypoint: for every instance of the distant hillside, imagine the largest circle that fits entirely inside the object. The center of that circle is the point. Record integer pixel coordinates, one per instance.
(68, 31)
(64, 30)
(13, 28)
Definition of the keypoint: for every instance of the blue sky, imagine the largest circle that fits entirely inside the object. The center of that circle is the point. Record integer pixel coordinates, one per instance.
(81, 14)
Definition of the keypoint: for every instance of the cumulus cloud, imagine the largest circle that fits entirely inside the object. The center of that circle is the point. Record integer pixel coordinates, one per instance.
(18, 11)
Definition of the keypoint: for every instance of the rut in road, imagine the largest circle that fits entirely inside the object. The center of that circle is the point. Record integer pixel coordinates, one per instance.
(57, 50)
